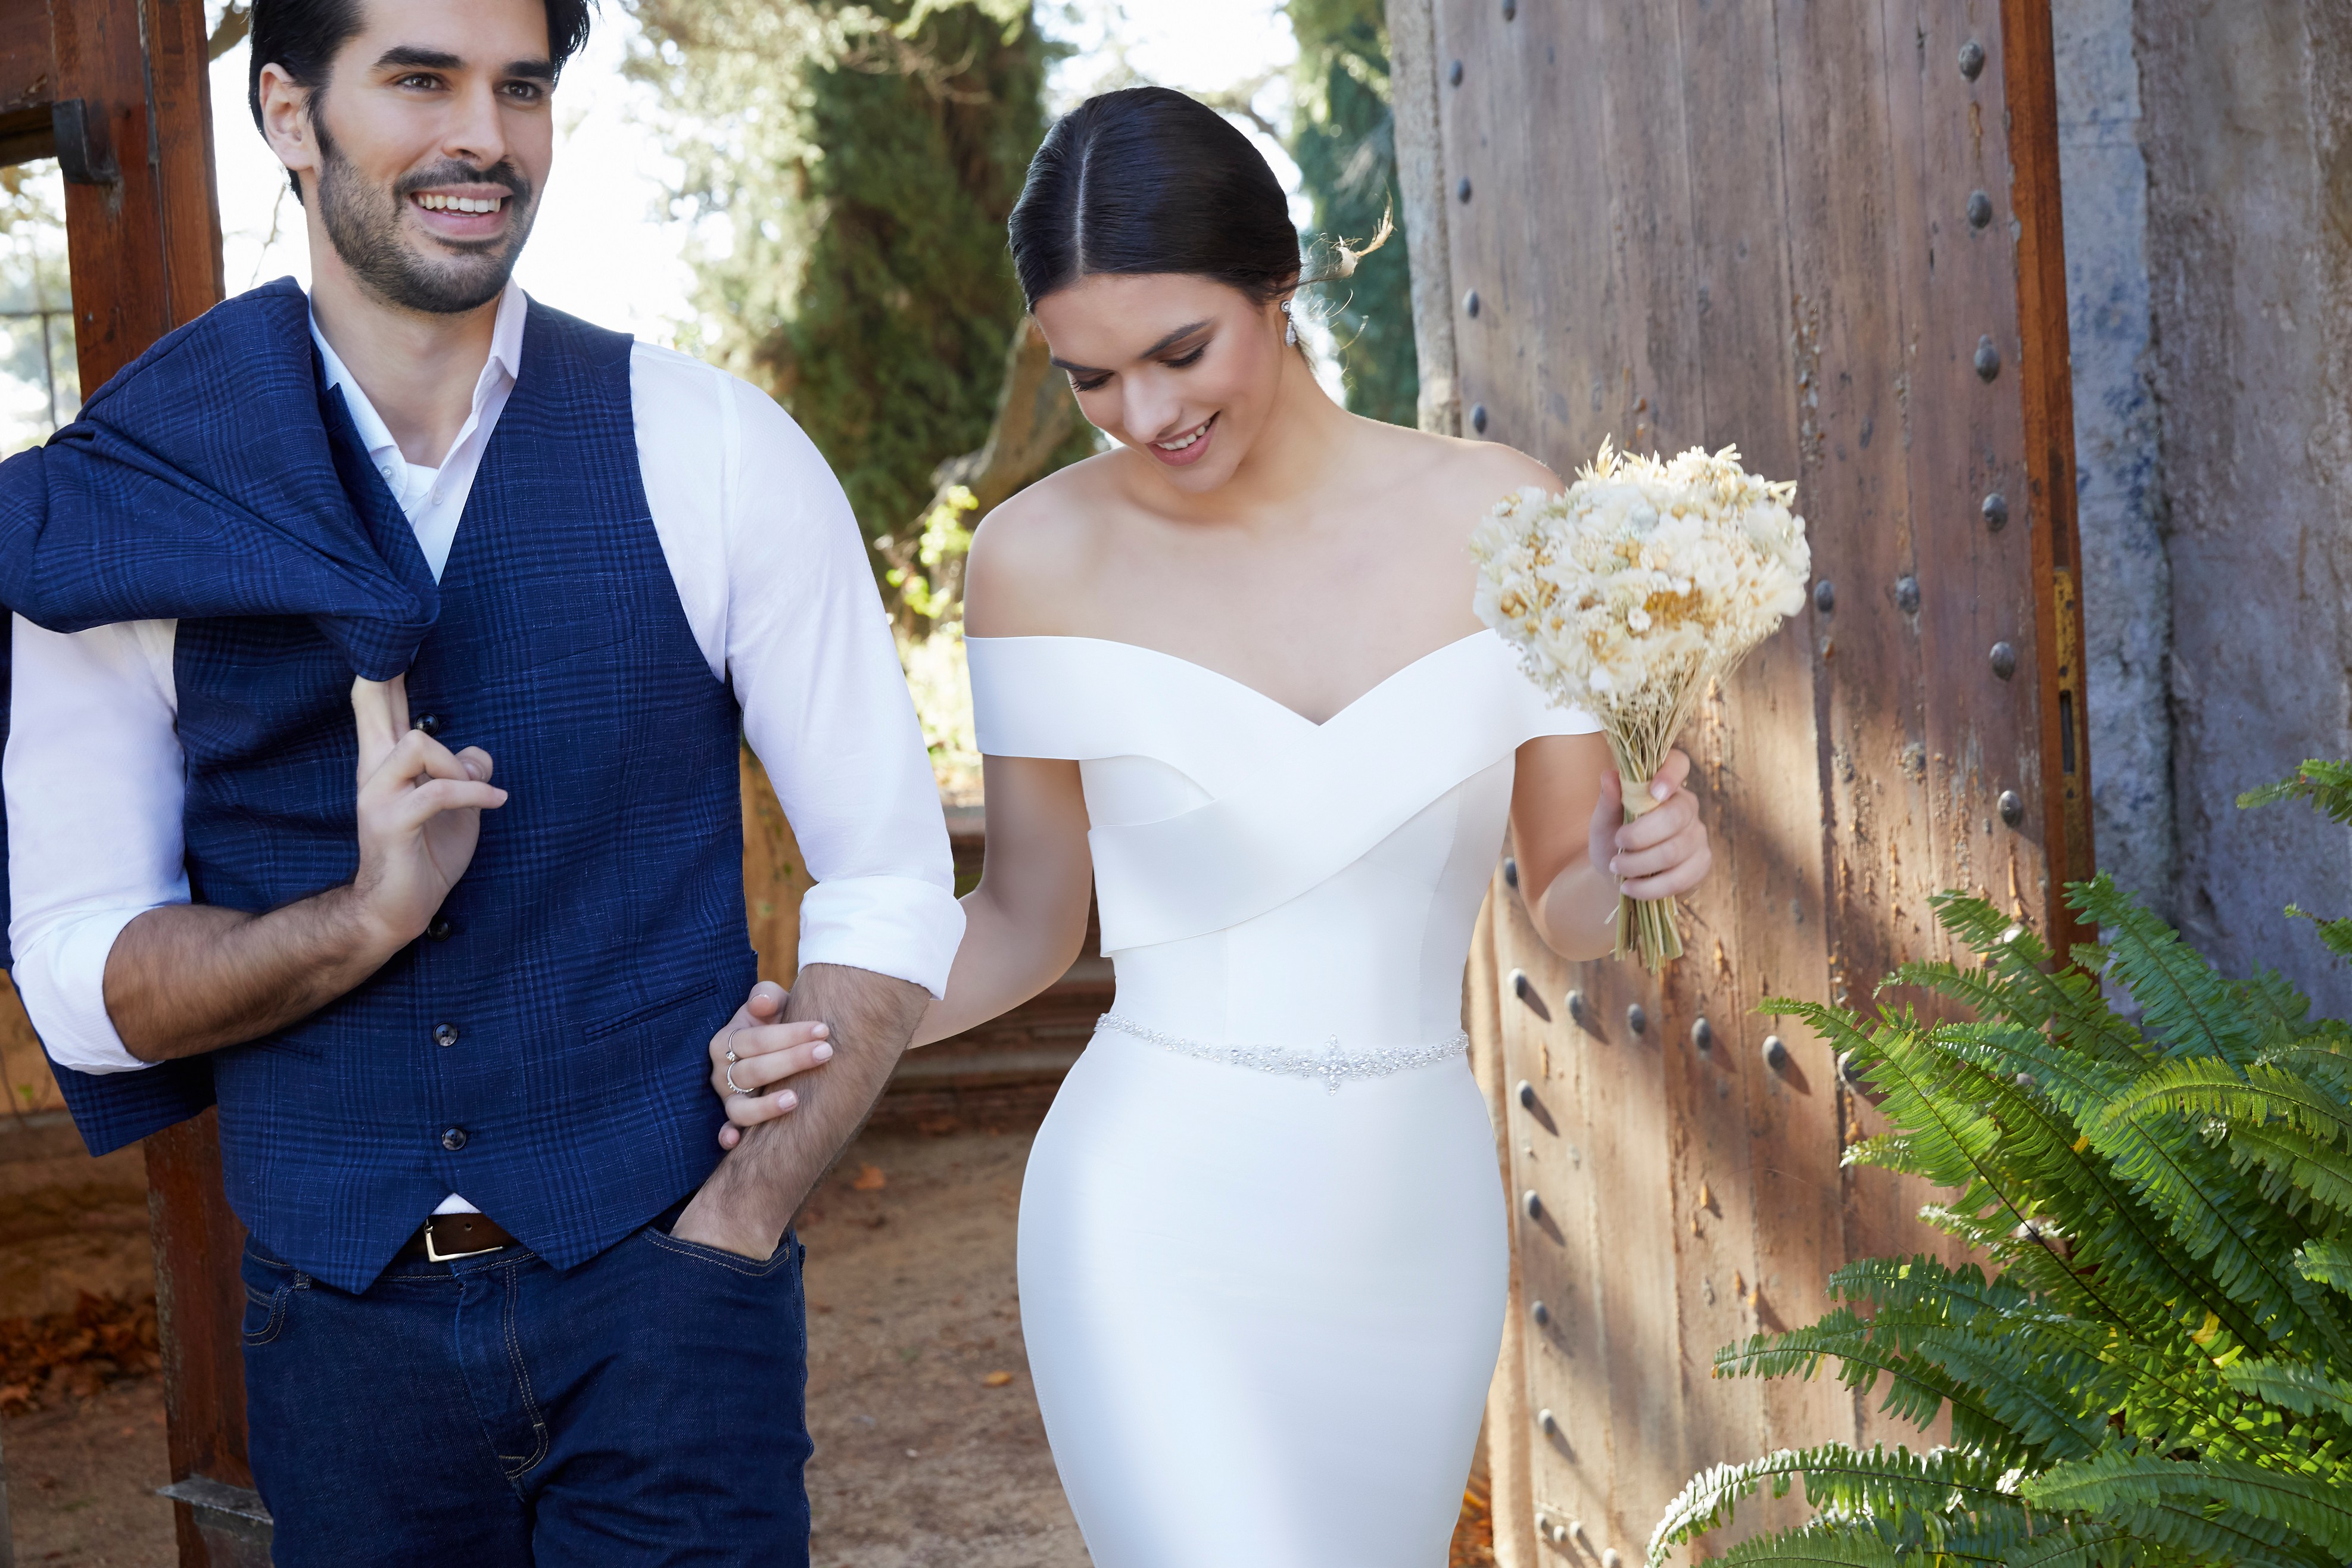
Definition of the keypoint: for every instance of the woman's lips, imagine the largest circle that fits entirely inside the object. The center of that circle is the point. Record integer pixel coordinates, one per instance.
(1195, 445)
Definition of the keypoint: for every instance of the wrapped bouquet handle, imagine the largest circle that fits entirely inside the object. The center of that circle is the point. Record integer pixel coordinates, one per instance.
(1633, 592)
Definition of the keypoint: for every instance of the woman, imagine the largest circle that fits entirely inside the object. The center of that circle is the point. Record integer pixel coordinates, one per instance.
(1227, 674)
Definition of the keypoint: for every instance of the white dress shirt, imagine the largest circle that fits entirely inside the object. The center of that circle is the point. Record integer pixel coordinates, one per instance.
(772, 574)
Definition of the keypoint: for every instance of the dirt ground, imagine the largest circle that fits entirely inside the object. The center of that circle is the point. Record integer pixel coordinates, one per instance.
(922, 1456)
(929, 1451)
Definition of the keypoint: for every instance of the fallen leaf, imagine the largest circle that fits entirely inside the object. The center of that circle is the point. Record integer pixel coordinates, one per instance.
(996, 1379)
(870, 1179)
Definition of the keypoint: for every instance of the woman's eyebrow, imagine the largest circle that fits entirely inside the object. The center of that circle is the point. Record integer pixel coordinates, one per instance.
(1178, 336)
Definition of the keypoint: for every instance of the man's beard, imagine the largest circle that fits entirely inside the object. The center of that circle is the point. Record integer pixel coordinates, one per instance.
(363, 222)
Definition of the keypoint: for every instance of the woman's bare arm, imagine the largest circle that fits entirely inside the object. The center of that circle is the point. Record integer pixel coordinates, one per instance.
(1575, 850)
(1025, 922)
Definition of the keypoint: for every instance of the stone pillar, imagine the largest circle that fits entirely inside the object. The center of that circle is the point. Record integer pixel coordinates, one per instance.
(2247, 131)
(2119, 489)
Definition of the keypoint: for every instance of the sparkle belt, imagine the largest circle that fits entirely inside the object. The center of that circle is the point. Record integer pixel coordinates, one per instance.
(1334, 1064)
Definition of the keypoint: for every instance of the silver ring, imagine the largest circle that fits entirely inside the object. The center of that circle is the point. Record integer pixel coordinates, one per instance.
(737, 1088)
(731, 1058)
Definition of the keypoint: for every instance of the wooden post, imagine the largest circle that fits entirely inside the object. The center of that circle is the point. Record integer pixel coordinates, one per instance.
(142, 230)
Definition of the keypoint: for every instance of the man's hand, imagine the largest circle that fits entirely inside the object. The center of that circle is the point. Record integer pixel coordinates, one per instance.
(420, 812)
(188, 978)
(756, 1190)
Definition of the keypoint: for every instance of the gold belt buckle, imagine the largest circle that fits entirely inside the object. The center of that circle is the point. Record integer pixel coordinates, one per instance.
(434, 1252)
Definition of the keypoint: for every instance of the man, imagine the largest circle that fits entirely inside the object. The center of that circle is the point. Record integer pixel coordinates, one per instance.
(503, 1308)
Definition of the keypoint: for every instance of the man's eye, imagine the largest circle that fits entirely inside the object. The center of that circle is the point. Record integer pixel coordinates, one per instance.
(524, 90)
(418, 81)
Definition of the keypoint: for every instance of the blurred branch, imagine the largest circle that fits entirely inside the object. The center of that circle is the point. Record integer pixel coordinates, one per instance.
(1034, 415)
(1241, 99)
(235, 22)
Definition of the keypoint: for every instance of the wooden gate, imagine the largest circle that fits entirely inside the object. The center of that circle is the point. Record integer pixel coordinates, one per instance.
(1826, 231)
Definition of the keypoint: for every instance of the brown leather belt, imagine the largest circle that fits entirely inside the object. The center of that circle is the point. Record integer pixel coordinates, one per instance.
(448, 1236)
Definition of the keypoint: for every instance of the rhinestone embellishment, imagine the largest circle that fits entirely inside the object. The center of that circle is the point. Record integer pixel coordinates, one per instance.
(1334, 1064)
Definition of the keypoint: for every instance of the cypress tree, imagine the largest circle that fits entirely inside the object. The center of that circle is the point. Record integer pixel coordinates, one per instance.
(866, 158)
(1345, 144)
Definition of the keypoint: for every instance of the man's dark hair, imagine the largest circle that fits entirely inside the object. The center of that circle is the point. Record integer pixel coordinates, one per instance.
(301, 38)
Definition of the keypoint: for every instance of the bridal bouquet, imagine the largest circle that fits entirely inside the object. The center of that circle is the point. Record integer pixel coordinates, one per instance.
(1628, 595)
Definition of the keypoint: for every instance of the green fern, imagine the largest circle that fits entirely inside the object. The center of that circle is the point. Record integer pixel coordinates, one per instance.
(2153, 1365)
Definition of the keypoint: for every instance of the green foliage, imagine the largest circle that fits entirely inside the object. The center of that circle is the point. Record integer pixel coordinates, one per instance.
(2157, 1369)
(863, 159)
(1345, 143)
(2328, 786)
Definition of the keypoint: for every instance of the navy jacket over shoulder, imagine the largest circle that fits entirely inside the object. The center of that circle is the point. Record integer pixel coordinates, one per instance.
(543, 1057)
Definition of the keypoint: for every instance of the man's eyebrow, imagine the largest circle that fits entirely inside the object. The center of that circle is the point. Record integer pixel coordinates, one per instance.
(416, 57)
(412, 57)
(1178, 336)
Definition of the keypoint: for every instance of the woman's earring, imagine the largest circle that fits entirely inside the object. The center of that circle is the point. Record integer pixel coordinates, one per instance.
(1289, 326)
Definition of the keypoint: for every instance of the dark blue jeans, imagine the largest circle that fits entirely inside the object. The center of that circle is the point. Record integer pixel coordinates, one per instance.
(645, 1407)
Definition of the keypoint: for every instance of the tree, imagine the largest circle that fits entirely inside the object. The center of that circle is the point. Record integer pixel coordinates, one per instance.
(865, 159)
(1345, 143)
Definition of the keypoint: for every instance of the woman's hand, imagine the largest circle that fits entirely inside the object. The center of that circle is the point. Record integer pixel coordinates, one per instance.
(761, 1053)
(1664, 852)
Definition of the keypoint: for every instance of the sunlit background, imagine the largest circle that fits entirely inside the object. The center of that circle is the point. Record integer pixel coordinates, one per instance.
(811, 194)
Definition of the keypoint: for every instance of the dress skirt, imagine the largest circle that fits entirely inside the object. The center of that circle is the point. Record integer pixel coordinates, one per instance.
(1261, 1313)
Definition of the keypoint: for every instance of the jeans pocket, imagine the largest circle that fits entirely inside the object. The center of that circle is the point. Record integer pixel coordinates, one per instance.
(780, 1261)
(265, 1315)
(270, 1287)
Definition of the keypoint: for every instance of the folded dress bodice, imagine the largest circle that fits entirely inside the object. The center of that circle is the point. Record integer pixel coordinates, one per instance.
(1265, 880)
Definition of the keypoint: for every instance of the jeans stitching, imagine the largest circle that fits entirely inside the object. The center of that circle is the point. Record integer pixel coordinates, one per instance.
(734, 1262)
(275, 1302)
(522, 1379)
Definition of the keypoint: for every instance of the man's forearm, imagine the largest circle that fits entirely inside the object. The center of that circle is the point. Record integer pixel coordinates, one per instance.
(758, 1188)
(189, 978)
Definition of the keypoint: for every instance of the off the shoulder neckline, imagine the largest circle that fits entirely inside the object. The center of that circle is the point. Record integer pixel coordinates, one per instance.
(1238, 684)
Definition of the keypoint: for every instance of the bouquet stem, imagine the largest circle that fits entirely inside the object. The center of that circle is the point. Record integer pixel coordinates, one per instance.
(1644, 925)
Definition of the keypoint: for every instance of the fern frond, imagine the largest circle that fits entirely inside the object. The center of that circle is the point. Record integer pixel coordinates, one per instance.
(2327, 1263)
(2255, 1506)
(2336, 935)
(1917, 1389)
(2303, 1170)
(2302, 1389)
(1821, 1544)
(1894, 1487)
(2260, 1092)
(2183, 1000)
(2327, 785)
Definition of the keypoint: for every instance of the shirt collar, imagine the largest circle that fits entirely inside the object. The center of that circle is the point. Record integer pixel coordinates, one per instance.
(501, 367)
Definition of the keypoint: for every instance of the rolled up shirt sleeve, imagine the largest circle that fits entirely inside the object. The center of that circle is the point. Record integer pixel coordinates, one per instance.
(809, 652)
(93, 773)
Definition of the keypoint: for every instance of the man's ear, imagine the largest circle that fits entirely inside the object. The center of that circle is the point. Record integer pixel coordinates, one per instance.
(286, 121)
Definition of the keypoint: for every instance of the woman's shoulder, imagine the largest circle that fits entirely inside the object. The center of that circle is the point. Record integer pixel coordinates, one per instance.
(1459, 468)
(1037, 549)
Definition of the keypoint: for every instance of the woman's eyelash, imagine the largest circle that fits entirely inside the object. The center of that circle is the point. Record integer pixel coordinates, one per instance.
(1192, 359)
(1177, 365)
(1095, 385)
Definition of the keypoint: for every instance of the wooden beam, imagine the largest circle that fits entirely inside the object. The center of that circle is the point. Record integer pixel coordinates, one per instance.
(27, 77)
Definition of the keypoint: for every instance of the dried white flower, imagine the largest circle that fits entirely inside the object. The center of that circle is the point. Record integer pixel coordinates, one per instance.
(1630, 592)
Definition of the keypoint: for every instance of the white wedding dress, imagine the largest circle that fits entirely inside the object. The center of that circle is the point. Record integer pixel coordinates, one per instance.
(1263, 1245)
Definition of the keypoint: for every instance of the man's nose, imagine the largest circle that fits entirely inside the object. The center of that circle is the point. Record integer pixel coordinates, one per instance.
(475, 133)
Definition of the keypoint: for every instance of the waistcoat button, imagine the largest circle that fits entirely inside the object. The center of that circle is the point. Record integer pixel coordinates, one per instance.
(430, 724)
(447, 1034)
(439, 930)
(453, 1139)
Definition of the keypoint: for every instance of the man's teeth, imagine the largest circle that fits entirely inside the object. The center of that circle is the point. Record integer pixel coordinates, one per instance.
(1184, 440)
(461, 203)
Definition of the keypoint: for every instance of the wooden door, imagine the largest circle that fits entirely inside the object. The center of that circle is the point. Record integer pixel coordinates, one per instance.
(1826, 231)
(116, 92)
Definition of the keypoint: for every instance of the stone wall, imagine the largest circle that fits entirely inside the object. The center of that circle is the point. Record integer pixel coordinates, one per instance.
(2207, 165)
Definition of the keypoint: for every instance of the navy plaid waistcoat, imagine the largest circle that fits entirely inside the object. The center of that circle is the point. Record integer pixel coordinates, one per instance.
(542, 1051)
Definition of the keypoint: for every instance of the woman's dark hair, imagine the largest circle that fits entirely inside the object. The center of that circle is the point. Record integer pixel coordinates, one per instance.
(1148, 180)
(301, 38)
